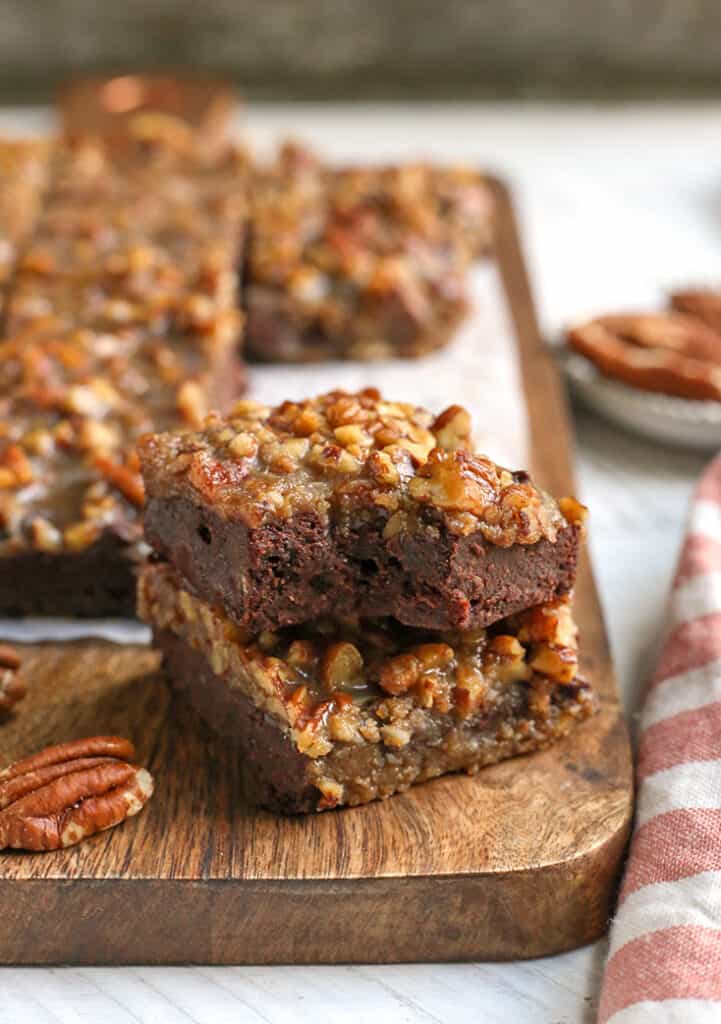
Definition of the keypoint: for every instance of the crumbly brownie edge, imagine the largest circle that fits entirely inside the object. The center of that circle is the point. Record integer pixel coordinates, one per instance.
(275, 771)
(283, 780)
(280, 575)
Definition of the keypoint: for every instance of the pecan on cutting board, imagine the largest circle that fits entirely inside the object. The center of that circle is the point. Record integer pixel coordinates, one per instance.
(65, 793)
(12, 686)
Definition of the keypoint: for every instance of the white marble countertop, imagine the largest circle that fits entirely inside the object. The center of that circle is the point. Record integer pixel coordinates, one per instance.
(616, 204)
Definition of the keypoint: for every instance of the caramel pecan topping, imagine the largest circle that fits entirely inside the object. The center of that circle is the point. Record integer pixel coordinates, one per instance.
(126, 477)
(510, 509)
(65, 793)
(316, 680)
(12, 686)
(342, 451)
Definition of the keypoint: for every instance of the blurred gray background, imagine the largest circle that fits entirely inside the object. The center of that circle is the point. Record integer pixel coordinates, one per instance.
(357, 49)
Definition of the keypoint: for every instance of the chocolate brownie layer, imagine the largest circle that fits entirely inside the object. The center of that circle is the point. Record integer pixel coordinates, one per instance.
(276, 332)
(351, 505)
(275, 770)
(326, 715)
(281, 575)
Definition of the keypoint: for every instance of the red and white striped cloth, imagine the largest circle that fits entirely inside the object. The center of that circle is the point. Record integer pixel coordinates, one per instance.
(664, 964)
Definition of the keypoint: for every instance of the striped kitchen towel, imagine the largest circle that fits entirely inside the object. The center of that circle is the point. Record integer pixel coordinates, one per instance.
(664, 963)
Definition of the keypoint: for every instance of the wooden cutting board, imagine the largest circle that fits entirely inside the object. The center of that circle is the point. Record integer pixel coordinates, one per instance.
(518, 861)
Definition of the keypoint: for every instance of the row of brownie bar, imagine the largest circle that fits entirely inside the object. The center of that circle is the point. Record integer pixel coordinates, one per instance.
(120, 315)
(356, 599)
(120, 295)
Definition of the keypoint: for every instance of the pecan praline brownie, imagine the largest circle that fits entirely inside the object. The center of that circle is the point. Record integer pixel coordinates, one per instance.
(350, 505)
(336, 713)
(360, 262)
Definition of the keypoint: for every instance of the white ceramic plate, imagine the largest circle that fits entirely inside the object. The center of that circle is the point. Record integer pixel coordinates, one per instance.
(678, 421)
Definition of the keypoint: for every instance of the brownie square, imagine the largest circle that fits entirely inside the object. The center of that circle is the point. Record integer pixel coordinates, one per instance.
(360, 263)
(332, 714)
(350, 505)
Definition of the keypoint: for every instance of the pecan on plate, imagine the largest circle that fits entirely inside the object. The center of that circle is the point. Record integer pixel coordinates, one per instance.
(704, 303)
(67, 792)
(12, 687)
(671, 353)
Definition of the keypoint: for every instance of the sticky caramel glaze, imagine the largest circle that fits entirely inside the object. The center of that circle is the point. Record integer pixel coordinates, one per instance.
(373, 707)
(340, 453)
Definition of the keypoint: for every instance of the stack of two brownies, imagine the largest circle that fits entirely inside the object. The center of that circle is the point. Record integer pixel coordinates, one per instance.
(358, 599)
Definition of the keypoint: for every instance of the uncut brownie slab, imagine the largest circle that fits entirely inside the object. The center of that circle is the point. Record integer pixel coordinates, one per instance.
(117, 325)
(350, 505)
(340, 714)
(359, 263)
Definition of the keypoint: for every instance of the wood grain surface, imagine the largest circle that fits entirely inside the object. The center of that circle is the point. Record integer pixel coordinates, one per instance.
(518, 861)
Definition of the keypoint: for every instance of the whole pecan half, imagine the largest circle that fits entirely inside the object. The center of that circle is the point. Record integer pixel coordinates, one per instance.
(12, 687)
(68, 792)
(671, 353)
(704, 303)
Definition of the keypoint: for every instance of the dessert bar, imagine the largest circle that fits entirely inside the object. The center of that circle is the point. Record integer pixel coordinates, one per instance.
(71, 405)
(332, 714)
(110, 108)
(350, 505)
(360, 263)
(121, 318)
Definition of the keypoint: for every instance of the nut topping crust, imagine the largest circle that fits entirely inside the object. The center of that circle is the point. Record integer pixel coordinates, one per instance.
(65, 793)
(355, 682)
(342, 453)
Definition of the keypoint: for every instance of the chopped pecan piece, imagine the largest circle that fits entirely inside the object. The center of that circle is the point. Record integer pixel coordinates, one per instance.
(341, 667)
(126, 478)
(63, 794)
